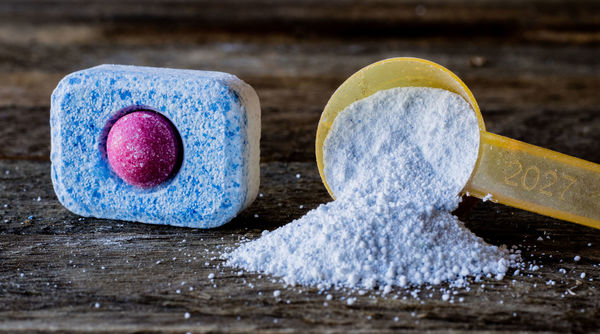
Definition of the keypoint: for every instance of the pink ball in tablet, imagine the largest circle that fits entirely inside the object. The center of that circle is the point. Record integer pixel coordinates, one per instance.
(143, 148)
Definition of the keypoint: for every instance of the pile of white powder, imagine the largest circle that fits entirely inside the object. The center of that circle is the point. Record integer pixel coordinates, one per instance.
(396, 162)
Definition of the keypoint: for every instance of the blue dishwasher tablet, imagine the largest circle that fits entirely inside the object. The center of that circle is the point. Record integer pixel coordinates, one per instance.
(155, 145)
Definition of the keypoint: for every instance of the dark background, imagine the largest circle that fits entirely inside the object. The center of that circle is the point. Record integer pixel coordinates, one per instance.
(532, 65)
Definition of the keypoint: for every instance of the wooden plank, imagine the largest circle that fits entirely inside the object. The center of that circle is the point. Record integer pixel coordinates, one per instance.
(53, 271)
(313, 17)
(521, 93)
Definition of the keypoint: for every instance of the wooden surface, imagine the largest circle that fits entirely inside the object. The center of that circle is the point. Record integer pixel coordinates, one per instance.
(534, 68)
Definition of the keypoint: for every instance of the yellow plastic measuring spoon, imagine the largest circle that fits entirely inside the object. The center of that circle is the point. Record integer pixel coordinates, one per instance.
(512, 172)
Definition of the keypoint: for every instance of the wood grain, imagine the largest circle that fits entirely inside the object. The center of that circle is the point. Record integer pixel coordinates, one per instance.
(533, 66)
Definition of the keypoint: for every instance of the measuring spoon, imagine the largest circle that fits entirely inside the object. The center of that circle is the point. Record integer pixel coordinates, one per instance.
(507, 171)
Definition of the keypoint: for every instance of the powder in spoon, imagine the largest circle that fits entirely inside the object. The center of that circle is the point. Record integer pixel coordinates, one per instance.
(396, 162)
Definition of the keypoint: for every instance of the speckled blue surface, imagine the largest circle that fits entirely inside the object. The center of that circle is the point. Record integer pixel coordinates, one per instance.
(219, 172)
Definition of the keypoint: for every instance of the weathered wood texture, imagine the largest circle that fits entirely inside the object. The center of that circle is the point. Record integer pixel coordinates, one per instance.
(533, 66)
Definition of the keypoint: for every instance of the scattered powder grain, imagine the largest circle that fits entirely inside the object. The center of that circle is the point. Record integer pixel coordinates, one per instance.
(396, 162)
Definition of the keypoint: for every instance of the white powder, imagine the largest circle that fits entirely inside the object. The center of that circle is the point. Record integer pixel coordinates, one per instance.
(415, 144)
(396, 162)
